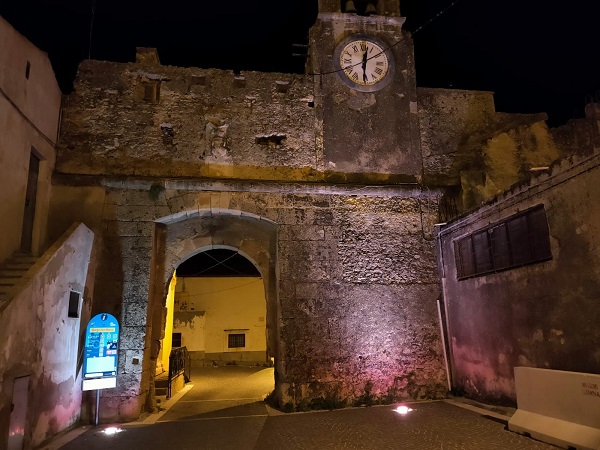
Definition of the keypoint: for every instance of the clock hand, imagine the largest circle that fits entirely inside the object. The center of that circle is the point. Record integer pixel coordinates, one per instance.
(364, 64)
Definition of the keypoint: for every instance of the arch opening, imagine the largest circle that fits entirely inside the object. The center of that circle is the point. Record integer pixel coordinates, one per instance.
(216, 297)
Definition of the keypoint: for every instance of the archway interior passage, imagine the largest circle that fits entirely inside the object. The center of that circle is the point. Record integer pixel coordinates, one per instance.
(219, 310)
(219, 315)
(218, 262)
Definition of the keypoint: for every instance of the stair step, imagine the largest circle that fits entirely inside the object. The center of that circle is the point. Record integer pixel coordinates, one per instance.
(25, 260)
(161, 383)
(12, 273)
(160, 391)
(13, 270)
(12, 265)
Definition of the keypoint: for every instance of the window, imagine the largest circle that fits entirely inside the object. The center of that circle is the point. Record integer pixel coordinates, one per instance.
(176, 340)
(152, 91)
(27, 70)
(518, 240)
(73, 310)
(236, 340)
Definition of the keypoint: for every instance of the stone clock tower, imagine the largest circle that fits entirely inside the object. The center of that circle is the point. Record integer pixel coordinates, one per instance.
(365, 92)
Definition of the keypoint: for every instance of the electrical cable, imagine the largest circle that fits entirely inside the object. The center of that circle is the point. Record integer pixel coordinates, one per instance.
(213, 266)
(220, 263)
(225, 265)
(187, 296)
(91, 28)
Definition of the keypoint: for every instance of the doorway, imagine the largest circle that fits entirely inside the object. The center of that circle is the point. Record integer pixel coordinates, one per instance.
(30, 201)
(18, 414)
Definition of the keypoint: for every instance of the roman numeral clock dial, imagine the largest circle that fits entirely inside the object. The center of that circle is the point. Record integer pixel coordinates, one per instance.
(364, 62)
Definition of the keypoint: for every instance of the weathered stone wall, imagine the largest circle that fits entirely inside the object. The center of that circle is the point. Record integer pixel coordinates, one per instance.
(131, 119)
(349, 277)
(580, 136)
(451, 123)
(541, 315)
(41, 341)
(466, 143)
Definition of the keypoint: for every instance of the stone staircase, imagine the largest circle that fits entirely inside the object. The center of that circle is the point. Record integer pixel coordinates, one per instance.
(161, 385)
(12, 271)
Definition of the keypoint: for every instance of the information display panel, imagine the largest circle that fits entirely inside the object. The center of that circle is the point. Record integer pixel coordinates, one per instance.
(101, 353)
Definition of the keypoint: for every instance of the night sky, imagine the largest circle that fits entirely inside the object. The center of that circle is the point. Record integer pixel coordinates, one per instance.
(534, 56)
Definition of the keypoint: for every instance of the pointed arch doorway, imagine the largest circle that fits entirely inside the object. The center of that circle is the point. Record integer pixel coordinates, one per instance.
(218, 271)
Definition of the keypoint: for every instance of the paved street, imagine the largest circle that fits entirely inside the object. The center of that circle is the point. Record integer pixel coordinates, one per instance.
(224, 410)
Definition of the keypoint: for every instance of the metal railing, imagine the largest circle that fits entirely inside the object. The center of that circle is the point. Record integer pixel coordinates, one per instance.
(179, 363)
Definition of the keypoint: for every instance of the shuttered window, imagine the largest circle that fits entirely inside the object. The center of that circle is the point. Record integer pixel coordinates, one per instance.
(518, 240)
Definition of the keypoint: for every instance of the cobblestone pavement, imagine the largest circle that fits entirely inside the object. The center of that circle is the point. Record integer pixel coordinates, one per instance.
(223, 412)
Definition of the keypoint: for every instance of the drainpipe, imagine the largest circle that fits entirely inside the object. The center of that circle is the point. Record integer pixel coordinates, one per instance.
(441, 316)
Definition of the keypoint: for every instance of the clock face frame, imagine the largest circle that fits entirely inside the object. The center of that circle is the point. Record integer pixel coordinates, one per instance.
(364, 62)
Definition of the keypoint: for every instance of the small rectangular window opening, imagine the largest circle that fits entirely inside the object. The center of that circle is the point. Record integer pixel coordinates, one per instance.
(176, 340)
(27, 70)
(74, 304)
(152, 91)
(236, 340)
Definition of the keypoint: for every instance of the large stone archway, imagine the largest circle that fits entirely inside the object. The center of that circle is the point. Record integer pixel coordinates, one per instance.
(177, 238)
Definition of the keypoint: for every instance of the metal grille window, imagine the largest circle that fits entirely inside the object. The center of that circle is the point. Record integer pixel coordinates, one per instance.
(236, 340)
(518, 240)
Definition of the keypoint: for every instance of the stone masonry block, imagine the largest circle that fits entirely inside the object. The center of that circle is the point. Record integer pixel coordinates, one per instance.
(121, 228)
(303, 233)
(307, 291)
(130, 362)
(182, 201)
(301, 270)
(202, 200)
(132, 337)
(304, 216)
(318, 250)
(311, 200)
(134, 314)
(220, 200)
(146, 213)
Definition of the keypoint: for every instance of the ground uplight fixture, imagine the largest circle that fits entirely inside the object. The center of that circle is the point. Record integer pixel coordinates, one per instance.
(403, 410)
(111, 431)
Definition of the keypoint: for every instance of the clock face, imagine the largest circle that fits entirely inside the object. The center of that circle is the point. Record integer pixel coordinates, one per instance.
(364, 63)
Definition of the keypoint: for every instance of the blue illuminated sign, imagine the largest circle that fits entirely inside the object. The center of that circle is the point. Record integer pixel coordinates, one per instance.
(101, 353)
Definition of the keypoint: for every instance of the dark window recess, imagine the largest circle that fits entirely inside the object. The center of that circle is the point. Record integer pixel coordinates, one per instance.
(239, 81)
(271, 139)
(152, 91)
(74, 304)
(27, 70)
(176, 340)
(518, 240)
(465, 261)
(282, 86)
(236, 340)
(483, 252)
(500, 247)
